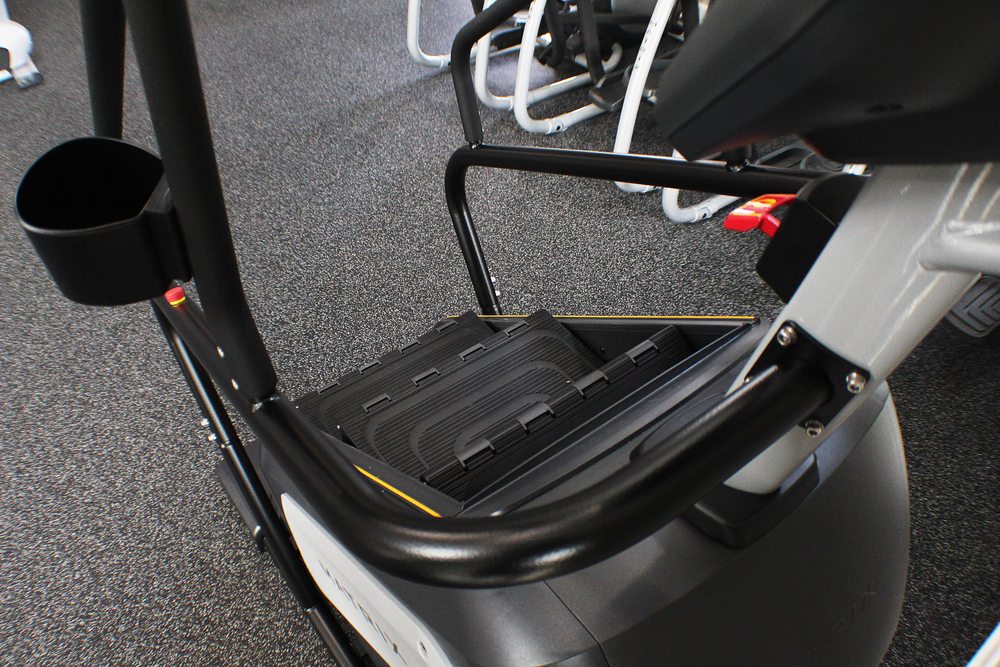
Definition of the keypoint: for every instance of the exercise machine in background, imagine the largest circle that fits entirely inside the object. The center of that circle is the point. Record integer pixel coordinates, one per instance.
(503, 40)
(16, 40)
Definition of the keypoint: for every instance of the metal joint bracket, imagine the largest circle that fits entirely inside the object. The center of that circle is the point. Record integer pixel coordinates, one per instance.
(846, 378)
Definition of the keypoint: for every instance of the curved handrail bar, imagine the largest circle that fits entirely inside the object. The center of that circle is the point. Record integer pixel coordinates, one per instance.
(531, 544)
(751, 181)
(483, 24)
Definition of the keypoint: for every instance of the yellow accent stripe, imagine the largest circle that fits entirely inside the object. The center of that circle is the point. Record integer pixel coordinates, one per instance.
(399, 493)
(638, 317)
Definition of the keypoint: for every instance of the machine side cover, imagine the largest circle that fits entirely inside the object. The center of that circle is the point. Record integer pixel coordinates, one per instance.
(895, 81)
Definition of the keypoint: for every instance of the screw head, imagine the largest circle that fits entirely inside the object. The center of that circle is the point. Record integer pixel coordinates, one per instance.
(786, 336)
(212, 437)
(204, 422)
(855, 382)
(814, 428)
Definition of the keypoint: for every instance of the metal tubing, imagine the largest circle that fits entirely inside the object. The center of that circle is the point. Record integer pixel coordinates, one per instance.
(468, 240)
(103, 23)
(283, 552)
(164, 45)
(751, 181)
(204, 392)
(531, 544)
(483, 24)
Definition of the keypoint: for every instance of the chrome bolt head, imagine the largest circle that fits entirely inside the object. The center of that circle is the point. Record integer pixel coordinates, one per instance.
(204, 422)
(855, 382)
(814, 428)
(786, 336)
(212, 437)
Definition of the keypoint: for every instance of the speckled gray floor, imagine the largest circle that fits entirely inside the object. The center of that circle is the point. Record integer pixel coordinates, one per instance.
(117, 546)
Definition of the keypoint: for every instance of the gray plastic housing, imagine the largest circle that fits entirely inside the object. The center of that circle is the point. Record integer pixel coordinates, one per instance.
(824, 587)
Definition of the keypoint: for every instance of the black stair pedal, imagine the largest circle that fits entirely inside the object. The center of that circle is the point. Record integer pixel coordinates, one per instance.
(478, 409)
(414, 363)
(611, 95)
(420, 427)
(502, 447)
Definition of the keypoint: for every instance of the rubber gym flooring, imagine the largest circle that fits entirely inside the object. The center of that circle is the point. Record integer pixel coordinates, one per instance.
(118, 546)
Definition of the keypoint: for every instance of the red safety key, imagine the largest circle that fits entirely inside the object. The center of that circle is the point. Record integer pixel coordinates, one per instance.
(756, 213)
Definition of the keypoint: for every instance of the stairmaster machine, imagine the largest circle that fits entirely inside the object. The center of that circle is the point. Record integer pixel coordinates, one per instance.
(577, 491)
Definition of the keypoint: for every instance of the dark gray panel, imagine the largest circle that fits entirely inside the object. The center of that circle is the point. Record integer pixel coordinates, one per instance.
(828, 579)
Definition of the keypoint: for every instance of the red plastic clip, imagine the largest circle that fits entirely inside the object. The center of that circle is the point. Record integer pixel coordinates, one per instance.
(756, 213)
(175, 296)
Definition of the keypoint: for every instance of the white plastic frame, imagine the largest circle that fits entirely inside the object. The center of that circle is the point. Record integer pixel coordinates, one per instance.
(16, 39)
(444, 60)
(413, 40)
(630, 109)
(506, 102)
(522, 91)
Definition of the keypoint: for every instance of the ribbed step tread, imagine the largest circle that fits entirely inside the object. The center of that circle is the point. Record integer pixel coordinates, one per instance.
(977, 313)
(395, 370)
(459, 409)
(537, 421)
(416, 427)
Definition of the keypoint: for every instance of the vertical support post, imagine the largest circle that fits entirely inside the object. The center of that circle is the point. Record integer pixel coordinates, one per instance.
(591, 41)
(164, 46)
(278, 541)
(103, 24)
(468, 239)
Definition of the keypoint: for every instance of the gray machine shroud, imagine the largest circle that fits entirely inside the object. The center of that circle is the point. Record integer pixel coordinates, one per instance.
(824, 587)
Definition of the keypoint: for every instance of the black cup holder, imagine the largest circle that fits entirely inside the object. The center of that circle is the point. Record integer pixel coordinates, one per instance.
(99, 214)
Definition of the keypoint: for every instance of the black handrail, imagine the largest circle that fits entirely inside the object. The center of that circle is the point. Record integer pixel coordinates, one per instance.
(484, 23)
(531, 544)
(523, 546)
(751, 181)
